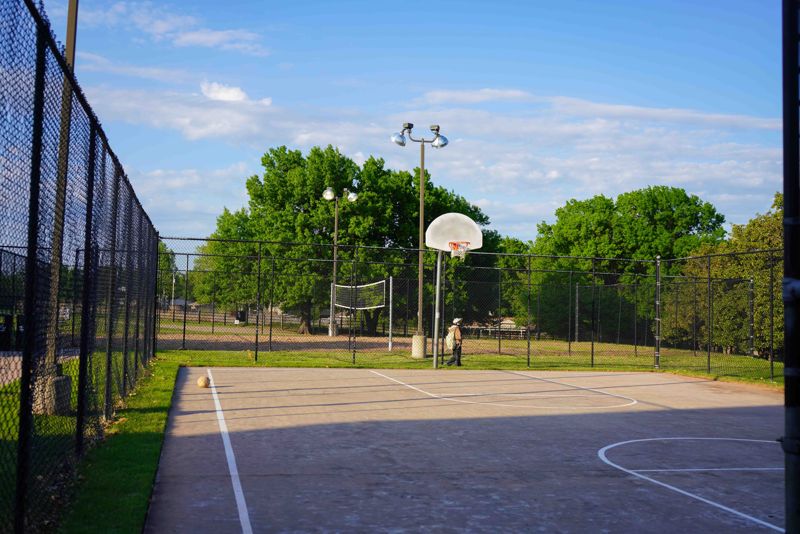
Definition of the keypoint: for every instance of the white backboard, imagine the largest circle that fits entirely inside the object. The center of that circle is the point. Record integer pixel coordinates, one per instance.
(453, 227)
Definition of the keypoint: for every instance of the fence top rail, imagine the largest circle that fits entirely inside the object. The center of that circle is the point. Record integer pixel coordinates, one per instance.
(722, 254)
(477, 252)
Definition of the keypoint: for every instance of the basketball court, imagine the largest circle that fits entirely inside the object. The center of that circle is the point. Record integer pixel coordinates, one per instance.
(298, 450)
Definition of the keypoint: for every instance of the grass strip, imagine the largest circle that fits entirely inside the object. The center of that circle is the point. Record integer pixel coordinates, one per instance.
(116, 477)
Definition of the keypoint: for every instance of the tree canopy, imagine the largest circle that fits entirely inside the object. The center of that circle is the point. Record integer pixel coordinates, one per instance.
(654, 221)
(287, 212)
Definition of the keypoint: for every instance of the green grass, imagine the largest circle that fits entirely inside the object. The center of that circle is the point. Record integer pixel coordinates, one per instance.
(116, 478)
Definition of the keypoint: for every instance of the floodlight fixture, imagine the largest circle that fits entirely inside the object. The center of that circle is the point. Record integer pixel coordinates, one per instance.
(440, 141)
(399, 139)
(328, 194)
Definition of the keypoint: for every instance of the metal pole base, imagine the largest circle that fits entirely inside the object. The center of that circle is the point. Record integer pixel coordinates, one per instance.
(419, 344)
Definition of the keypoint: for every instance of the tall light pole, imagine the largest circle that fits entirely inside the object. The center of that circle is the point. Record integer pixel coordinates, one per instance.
(419, 343)
(330, 194)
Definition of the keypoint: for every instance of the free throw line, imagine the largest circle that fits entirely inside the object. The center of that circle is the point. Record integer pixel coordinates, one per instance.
(602, 455)
(241, 505)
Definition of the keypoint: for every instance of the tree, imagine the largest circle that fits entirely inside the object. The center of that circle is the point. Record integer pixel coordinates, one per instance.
(287, 213)
(740, 271)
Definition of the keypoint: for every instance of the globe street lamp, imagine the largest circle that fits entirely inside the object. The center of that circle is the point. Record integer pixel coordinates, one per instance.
(330, 194)
(419, 342)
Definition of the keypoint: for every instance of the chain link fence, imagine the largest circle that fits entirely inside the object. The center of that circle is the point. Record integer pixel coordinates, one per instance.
(77, 274)
(717, 314)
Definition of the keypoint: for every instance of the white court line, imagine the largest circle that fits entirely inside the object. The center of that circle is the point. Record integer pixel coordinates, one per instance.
(602, 455)
(241, 505)
(452, 398)
(633, 401)
(703, 469)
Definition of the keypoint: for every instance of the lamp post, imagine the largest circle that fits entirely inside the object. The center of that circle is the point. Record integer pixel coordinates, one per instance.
(330, 194)
(419, 343)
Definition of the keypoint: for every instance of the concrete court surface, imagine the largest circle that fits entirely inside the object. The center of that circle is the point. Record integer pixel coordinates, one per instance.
(359, 450)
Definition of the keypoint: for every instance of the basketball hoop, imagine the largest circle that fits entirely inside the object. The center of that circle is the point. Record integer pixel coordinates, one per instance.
(458, 249)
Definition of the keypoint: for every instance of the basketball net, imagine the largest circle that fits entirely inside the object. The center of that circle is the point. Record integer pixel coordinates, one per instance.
(458, 249)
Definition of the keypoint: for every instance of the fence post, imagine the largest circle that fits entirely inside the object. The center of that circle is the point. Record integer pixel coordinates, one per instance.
(709, 314)
(126, 320)
(771, 317)
(156, 304)
(752, 321)
(391, 314)
(140, 293)
(86, 302)
(528, 321)
(258, 299)
(594, 306)
(185, 301)
(694, 320)
(635, 287)
(31, 289)
(569, 314)
(619, 313)
(657, 344)
(499, 304)
(75, 278)
(112, 282)
(271, 300)
(577, 307)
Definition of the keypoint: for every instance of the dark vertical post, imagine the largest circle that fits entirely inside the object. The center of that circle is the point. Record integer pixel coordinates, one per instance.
(213, 302)
(710, 315)
(594, 282)
(139, 295)
(791, 264)
(128, 279)
(528, 309)
(569, 314)
(577, 313)
(31, 289)
(771, 317)
(354, 284)
(86, 296)
(185, 302)
(112, 288)
(657, 337)
(499, 304)
(156, 314)
(538, 312)
(636, 320)
(271, 297)
(619, 314)
(75, 290)
(694, 320)
(752, 321)
(258, 299)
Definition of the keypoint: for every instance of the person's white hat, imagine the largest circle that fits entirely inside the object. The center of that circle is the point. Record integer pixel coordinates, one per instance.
(457, 320)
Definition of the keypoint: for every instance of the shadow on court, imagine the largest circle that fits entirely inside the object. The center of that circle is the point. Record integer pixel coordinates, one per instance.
(484, 451)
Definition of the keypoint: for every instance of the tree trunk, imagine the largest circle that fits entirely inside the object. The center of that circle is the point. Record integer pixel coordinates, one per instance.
(371, 318)
(305, 320)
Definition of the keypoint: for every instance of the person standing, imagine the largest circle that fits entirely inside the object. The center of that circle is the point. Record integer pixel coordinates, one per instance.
(454, 332)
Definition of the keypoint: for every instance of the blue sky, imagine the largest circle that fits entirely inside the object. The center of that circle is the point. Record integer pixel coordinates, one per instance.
(542, 101)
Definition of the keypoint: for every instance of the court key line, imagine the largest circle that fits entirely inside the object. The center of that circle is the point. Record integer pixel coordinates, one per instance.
(452, 398)
(241, 505)
(633, 401)
(602, 455)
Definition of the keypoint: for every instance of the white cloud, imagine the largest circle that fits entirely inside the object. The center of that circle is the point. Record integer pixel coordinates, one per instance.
(520, 163)
(160, 24)
(224, 93)
(97, 63)
(474, 96)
